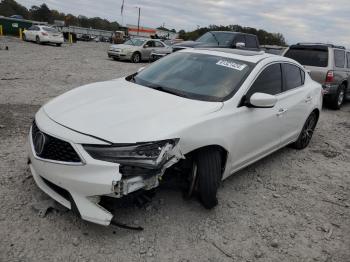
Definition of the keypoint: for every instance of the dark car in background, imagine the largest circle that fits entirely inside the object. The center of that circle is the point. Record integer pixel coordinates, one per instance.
(329, 65)
(221, 39)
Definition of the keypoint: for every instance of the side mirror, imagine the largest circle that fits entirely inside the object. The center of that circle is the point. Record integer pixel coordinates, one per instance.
(140, 69)
(240, 45)
(262, 100)
(145, 46)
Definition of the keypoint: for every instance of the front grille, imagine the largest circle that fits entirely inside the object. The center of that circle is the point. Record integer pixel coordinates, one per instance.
(54, 148)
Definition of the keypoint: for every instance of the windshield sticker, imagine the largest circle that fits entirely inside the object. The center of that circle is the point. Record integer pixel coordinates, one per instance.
(232, 65)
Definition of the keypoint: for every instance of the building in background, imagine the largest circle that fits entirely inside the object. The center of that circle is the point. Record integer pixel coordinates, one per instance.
(148, 32)
(12, 26)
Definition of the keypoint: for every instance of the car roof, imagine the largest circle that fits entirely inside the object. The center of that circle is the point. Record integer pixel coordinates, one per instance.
(231, 32)
(240, 54)
(324, 45)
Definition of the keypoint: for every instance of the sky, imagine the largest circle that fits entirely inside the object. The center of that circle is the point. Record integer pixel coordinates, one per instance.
(325, 21)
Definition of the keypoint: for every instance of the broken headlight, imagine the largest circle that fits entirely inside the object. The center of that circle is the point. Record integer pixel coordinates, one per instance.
(147, 154)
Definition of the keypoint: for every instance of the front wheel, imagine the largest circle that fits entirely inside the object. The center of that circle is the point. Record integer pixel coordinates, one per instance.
(208, 168)
(306, 133)
(136, 58)
(58, 44)
(37, 40)
(24, 37)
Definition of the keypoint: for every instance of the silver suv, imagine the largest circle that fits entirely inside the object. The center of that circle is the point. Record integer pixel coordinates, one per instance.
(329, 65)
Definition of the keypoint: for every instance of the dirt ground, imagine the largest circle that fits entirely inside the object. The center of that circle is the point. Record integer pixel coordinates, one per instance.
(290, 206)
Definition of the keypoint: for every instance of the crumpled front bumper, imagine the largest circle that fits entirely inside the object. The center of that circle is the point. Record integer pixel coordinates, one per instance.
(79, 186)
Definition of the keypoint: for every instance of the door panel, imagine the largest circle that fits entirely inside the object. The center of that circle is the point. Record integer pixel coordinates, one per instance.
(294, 103)
(257, 134)
(258, 129)
(146, 52)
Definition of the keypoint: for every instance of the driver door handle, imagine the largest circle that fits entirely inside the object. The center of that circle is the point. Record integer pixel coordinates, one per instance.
(281, 111)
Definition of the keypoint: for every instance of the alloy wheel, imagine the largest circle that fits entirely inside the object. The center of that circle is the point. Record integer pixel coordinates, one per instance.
(136, 58)
(308, 130)
(193, 179)
(341, 97)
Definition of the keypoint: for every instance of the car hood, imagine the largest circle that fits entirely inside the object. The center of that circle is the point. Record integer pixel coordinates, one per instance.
(123, 112)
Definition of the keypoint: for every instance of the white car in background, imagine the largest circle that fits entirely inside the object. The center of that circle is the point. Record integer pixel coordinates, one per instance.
(43, 34)
(209, 113)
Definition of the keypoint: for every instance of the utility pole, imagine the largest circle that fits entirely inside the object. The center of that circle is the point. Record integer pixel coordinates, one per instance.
(138, 21)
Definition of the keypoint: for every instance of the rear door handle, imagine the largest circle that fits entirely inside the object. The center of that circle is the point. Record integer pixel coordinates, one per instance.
(281, 111)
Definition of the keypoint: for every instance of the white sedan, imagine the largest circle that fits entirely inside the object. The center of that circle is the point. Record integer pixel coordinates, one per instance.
(43, 34)
(209, 113)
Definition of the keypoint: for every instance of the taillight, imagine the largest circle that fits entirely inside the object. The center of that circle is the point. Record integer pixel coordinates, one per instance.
(43, 33)
(330, 77)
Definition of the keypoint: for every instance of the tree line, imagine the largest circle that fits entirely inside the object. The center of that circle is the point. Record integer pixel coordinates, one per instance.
(44, 14)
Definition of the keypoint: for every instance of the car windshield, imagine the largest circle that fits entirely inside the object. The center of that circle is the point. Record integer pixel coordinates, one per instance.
(217, 38)
(309, 56)
(195, 76)
(136, 42)
(50, 29)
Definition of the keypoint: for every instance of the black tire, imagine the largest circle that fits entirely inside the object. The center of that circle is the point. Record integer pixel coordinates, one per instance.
(209, 176)
(37, 40)
(58, 44)
(24, 38)
(337, 101)
(136, 57)
(307, 132)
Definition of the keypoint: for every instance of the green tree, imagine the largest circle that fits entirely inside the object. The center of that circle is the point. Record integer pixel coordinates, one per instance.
(11, 7)
(42, 13)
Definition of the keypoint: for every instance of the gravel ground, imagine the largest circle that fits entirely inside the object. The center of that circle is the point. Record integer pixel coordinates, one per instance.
(290, 206)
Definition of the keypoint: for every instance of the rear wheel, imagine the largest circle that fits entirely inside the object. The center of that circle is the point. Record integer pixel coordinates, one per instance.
(37, 40)
(136, 57)
(208, 176)
(306, 133)
(337, 101)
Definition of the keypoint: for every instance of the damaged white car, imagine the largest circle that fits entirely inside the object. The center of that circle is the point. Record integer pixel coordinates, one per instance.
(208, 113)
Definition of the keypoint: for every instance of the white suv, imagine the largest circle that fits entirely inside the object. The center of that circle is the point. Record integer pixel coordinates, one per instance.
(209, 113)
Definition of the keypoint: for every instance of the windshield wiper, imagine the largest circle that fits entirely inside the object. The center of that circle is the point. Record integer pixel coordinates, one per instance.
(215, 37)
(167, 90)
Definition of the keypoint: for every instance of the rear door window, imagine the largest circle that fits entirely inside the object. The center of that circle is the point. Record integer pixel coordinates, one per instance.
(251, 41)
(293, 77)
(268, 82)
(348, 58)
(309, 56)
(339, 58)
